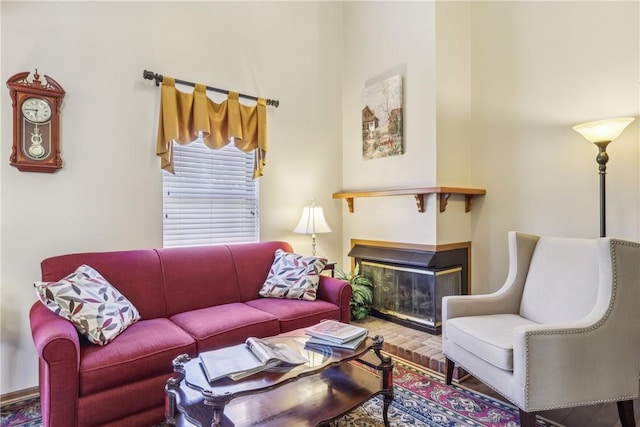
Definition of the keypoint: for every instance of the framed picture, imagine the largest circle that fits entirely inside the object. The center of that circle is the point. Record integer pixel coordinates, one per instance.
(382, 119)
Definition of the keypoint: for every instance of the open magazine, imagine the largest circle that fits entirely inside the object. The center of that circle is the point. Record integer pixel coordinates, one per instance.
(242, 360)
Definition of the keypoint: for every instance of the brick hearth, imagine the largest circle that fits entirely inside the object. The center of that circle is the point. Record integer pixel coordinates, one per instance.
(416, 346)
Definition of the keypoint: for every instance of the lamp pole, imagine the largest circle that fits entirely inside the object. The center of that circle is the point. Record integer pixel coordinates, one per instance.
(602, 158)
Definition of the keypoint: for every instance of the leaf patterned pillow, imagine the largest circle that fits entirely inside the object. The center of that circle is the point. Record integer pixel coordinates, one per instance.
(293, 276)
(97, 309)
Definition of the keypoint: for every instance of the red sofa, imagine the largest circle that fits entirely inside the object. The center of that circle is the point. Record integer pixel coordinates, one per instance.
(190, 300)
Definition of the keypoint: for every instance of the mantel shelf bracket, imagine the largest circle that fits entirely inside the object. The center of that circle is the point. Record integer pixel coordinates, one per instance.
(444, 194)
(350, 204)
(444, 199)
(468, 199)
(420, 202)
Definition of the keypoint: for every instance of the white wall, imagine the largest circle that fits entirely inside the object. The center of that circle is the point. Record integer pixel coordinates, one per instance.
(108, 195)
(537, 69)
(382, 39)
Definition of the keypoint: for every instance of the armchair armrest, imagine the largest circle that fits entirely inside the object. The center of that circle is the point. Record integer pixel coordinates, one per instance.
(475, 305)
(557, 363)
(338, 292)
(58, 347)
(507, 298)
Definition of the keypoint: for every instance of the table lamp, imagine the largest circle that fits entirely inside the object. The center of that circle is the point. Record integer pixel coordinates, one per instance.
(312, 222)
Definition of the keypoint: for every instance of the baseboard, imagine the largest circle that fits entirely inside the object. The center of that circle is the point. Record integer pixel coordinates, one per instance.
(15, 396)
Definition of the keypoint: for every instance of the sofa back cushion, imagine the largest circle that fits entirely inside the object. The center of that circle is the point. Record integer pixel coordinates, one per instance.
(165, 282)
(136, 274)
(252, 262)
(562, 282)
(198, 277)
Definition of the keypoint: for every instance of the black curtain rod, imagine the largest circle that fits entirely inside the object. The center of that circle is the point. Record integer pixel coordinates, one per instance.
(150, 75)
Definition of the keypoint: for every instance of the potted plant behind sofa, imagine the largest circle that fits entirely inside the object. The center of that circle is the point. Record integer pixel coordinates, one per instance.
(362, 297)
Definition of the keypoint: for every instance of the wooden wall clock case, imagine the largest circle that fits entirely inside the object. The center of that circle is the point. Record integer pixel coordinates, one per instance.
(36, 123)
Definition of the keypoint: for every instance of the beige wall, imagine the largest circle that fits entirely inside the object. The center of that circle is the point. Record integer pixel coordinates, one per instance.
(491, 92)
(500, 84)
(453, 114)
(108, 195)
(538, 68)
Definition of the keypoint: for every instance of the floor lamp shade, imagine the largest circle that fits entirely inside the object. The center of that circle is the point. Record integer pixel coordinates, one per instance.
(603, 130)
(601, 133)
(312, 222)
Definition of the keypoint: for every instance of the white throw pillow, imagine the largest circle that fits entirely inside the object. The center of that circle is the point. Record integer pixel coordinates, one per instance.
(97, 309)
(293, 276)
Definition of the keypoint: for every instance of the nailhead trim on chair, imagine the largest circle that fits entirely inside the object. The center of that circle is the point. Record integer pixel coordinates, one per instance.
(614, 286)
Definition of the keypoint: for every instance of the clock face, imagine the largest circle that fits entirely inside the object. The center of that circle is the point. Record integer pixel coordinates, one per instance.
(36, 110)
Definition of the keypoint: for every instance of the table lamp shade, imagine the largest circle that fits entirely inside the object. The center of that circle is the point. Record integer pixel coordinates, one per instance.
(312, 221)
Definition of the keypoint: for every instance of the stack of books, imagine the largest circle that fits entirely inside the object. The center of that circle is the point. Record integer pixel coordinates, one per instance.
(334, 334)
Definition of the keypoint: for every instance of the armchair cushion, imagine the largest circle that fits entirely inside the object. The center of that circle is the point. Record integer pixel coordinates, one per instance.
(561, 270)
(488, 337)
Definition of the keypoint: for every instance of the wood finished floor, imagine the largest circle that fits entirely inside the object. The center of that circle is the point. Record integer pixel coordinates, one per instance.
(602, 415)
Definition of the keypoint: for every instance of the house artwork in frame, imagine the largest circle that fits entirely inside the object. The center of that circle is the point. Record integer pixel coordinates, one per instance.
(382, 121)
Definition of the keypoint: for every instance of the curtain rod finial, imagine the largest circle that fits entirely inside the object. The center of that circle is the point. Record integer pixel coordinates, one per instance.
(150, 75)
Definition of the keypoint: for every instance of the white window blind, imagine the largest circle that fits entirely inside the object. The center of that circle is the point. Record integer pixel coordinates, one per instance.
(212, 198)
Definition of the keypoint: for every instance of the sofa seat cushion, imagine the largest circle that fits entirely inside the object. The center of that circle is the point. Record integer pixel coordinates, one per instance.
(296, 314)
(227, 324)
(488, 337)
(146, 349)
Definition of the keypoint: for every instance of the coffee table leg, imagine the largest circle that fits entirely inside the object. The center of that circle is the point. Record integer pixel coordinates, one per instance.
(386, 366)
(172, 386)
(170, 406)
(388, 398)
(217, 403)
(217, 417)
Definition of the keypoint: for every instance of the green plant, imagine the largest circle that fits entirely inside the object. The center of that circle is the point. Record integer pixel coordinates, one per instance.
(362, 297)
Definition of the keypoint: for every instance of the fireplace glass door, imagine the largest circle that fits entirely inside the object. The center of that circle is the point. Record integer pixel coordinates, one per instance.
(411, 294)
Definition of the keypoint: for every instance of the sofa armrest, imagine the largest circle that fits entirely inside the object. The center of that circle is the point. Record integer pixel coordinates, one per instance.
(58, 347)
(338, 292)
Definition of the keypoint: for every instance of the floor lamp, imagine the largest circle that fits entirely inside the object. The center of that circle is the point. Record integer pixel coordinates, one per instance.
(601, 133)
(311, 222)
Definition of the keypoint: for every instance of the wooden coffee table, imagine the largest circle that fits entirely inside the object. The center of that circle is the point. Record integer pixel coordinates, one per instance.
(325, 388)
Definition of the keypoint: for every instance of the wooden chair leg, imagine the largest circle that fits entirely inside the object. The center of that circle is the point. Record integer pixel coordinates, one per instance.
(449, 371)
(625, 411)
(527, 419)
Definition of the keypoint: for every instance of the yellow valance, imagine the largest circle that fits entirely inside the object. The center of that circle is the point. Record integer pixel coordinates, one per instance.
(184, 117)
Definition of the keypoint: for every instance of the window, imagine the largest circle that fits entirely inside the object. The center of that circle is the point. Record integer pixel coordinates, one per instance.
(212, 198)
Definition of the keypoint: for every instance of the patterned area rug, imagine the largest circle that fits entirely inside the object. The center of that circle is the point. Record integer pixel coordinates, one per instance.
(421, 399)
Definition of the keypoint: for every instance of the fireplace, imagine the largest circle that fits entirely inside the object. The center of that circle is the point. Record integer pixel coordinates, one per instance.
(409, 283)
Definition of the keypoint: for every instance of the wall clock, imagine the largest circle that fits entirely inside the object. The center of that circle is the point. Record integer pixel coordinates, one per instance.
(36, 123)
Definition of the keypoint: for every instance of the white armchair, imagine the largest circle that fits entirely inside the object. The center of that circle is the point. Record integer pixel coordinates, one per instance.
(563, 331)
